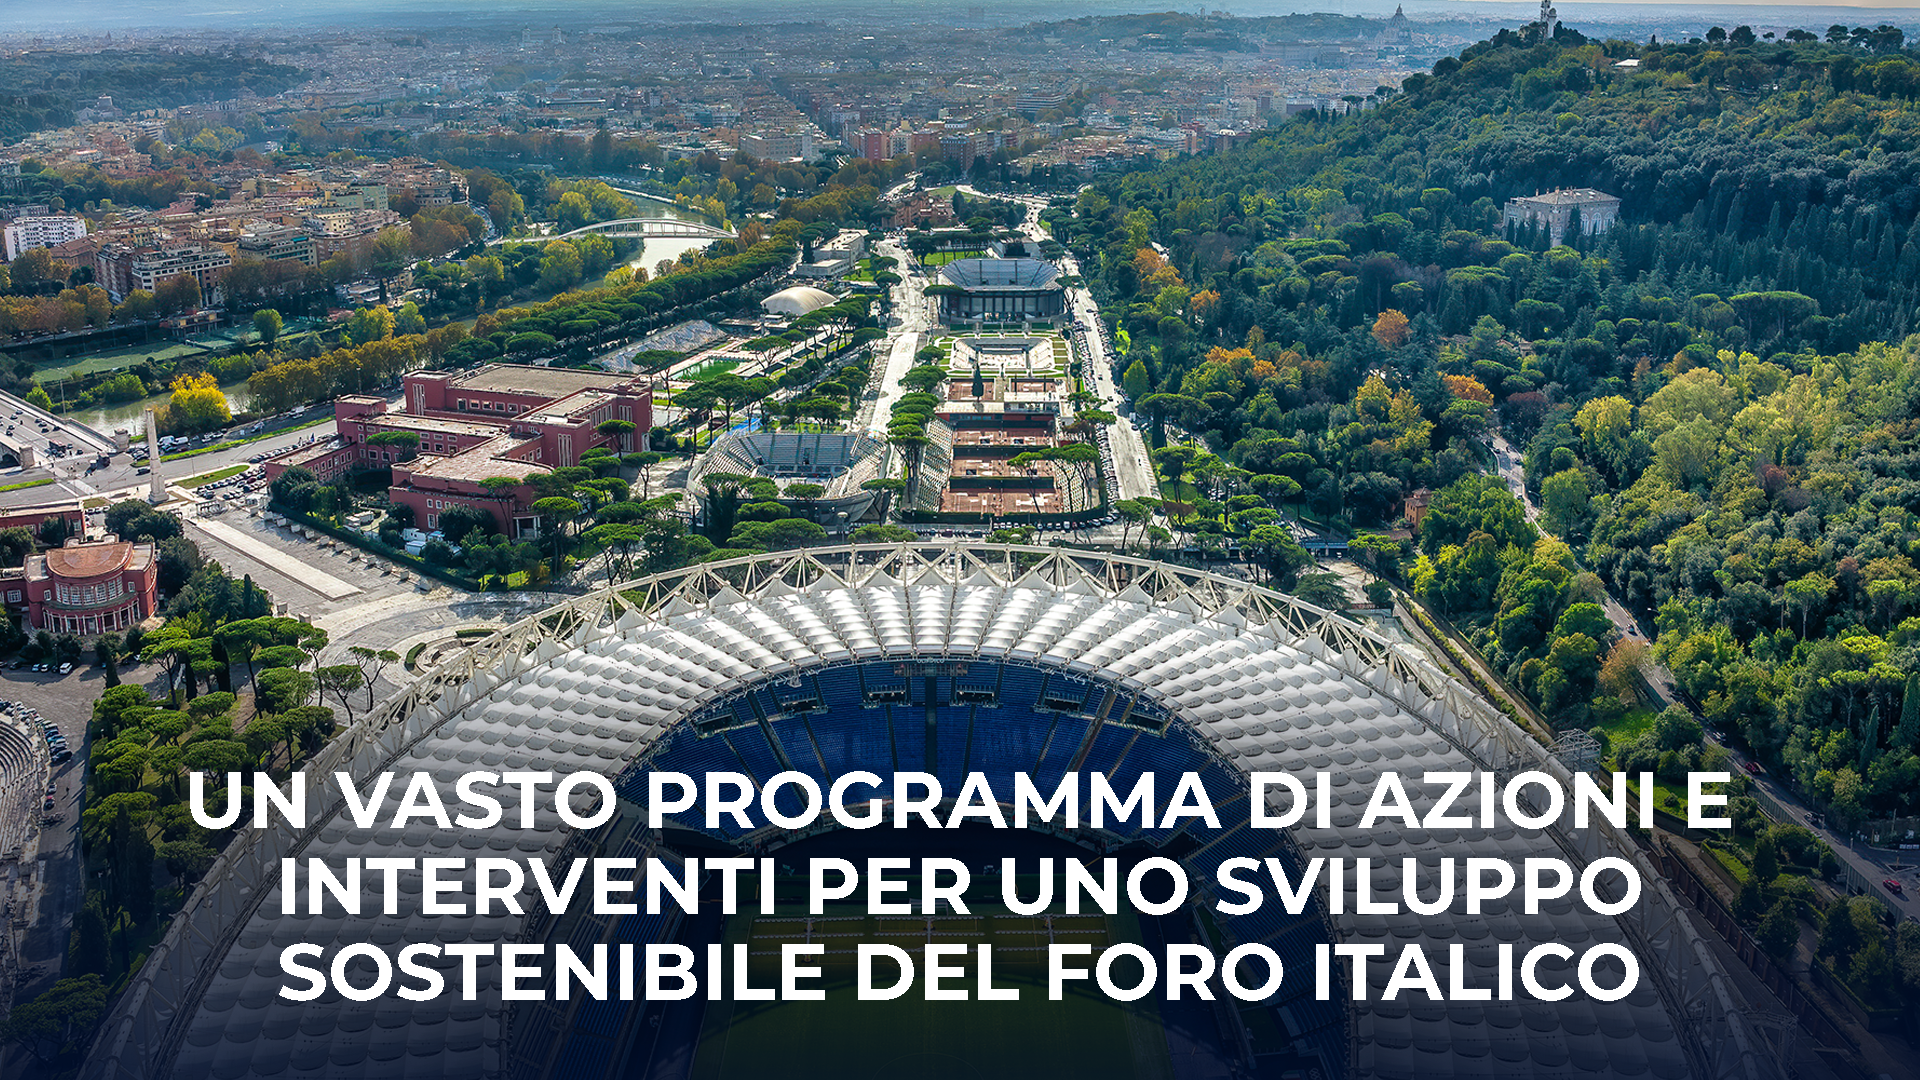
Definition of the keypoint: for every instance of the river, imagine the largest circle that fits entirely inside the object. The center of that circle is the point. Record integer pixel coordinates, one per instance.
(105, 418)
(128, 414)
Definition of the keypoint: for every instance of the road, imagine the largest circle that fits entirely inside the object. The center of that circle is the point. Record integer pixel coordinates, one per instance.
(1511, 464)
(1869, 863)
(122, 480)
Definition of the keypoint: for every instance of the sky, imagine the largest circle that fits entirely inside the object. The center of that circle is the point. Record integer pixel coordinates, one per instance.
(82, 16)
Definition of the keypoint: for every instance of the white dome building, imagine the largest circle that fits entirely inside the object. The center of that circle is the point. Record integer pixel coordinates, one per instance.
(798, 300)
(987, 658)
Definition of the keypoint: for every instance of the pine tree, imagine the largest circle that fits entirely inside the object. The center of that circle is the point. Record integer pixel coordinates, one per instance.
(1909, 727)
(92, 944)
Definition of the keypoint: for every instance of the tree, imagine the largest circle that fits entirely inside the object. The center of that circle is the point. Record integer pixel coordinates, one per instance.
(405, 444)
(38, 397)
(1391, 329)
(370, 324)
(408, 321)
(177, 294)
(392, 252)
(92, 950)
(343, 681)
(61, 1019)
(617, 430)
(1136, 381)
(197, 403)
(266, 325)
(106, 648)
(1132, 512)
(1779, 930)
(36, 271)
(560, 266)
(1566, 503)
(555, 513)
(1322, 591)
(373, 664)
(282, 688)
(1839, 933)
(1766, 862)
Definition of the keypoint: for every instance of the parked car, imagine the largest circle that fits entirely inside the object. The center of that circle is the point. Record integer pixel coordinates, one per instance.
(66, 668)
(1894, 887)
(1751, 766)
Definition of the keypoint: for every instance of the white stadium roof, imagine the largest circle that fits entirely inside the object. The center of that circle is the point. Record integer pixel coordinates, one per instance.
(1262, 680)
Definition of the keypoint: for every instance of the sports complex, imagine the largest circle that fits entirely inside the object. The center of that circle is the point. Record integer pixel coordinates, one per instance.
(948, 660)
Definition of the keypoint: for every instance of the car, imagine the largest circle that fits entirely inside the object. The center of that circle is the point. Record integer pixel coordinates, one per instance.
(66, 668)
(62, 757)
(1894, 887)
(1751, 766)
(39, 667)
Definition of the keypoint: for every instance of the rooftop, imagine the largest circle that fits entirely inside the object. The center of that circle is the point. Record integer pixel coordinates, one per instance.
(477, 463)
(1569, 196)
(545, 382)
(976, 275)
(86, 560)
(411, 422)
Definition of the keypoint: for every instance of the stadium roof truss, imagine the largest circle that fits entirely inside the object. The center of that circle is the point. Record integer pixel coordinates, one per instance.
(148, 1025)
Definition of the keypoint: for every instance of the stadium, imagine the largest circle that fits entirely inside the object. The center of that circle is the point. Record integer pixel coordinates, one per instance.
(840, 462)
(947, 659)
(1000, 290)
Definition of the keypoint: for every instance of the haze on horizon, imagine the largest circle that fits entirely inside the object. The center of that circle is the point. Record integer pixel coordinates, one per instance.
(82, 16)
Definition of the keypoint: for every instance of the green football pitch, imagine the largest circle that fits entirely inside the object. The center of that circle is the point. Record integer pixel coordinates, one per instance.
(1085, 1035)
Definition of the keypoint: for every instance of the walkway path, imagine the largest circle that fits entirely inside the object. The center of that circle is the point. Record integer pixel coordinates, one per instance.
(306, 574)
(910, 306)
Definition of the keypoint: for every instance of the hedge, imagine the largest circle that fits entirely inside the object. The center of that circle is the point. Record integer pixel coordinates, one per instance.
(367, 543)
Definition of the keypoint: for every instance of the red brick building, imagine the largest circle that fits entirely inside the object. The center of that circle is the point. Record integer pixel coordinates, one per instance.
(33, 517)
(87, 588)
(503, 420)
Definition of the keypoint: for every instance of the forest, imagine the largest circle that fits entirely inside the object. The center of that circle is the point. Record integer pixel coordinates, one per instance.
(1715, 399)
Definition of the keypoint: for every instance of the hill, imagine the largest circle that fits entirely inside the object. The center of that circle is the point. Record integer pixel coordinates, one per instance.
(1716, 397)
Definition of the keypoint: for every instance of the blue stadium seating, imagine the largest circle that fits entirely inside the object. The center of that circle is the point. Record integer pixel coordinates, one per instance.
(954, 734)
(1035, 722)
(755, 754)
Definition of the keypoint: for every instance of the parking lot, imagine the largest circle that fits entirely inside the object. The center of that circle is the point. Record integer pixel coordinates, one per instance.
(64, 702)
(233, 488)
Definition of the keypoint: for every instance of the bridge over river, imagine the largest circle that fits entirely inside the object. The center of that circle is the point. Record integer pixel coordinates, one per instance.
(635, 228)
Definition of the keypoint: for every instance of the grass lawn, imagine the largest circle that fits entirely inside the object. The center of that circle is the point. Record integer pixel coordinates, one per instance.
(1629, 727)
(712, 369)
(1667, 796)
(942, 258)
(1085, 1035)
(217, 474)
(111, 359)
(42, 482)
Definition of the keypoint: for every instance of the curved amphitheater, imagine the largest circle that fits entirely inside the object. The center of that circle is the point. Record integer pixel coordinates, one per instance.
(1040, 660)
(23, 780)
